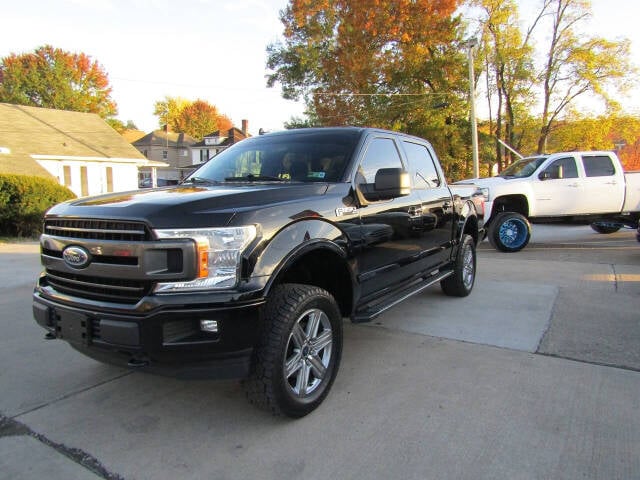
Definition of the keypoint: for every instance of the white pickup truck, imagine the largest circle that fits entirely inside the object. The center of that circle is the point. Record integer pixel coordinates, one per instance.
(586, 187)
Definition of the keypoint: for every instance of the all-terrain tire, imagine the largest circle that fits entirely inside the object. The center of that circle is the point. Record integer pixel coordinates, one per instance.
(461, 282)
(298, 356)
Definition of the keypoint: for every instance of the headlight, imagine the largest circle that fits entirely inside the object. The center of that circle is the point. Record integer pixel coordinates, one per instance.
(485, 192)
(218, 256)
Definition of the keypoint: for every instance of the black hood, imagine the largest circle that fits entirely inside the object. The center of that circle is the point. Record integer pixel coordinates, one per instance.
(187, 206)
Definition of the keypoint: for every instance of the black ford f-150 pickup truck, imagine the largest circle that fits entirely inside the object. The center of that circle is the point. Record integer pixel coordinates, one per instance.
(248, 267)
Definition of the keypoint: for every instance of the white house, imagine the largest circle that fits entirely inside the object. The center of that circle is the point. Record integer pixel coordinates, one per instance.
(78, 149)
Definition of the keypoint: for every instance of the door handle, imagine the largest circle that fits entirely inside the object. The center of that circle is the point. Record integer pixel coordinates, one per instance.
(573, 185)
(611, 183)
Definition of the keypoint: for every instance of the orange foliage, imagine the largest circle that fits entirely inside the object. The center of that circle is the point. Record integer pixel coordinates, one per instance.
(630, 157)
(364, 45)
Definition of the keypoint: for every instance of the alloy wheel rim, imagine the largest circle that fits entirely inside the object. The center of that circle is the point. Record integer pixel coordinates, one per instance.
(308, 353)
(468, 268)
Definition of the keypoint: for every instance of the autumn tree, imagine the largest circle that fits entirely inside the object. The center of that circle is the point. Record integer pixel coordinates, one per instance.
(168, 111)
(195, 118)
(53, 78)
(576, 64)
(396, 64)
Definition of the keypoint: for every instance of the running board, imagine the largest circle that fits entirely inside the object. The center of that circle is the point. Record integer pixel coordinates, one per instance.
(373, 309)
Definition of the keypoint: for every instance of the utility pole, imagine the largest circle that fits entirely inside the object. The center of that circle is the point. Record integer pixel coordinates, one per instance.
(471, 44)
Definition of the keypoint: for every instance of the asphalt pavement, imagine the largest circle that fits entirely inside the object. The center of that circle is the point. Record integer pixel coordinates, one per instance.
(535, 375)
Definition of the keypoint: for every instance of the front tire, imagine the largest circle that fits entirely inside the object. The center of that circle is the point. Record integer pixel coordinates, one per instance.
(299, 353)
(461, 282)
(509, 232)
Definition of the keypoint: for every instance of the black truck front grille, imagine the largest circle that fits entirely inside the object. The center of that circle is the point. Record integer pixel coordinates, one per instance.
(95, 288)
(97, 229)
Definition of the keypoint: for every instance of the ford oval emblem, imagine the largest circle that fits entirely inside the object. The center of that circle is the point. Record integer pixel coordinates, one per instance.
(76, 257)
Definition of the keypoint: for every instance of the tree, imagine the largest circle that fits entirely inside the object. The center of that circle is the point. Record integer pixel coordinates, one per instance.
(509, 72)
(168, 111)
(195, 118)
(396, 64)
(52, 78)
(576, 65)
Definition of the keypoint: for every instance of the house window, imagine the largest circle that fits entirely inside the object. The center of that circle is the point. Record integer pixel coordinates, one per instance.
(164, 154)
(109, 179)
(84, 182)
(67, 175)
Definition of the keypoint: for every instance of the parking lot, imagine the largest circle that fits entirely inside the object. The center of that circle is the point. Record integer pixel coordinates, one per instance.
(536, 375)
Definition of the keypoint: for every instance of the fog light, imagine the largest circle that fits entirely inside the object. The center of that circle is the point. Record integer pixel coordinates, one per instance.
(210, 326)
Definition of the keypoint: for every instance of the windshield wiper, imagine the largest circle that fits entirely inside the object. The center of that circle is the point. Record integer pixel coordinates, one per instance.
(200, 180)
(254, 178)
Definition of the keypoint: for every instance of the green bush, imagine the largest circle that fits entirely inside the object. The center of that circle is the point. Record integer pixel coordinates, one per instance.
(24, 201)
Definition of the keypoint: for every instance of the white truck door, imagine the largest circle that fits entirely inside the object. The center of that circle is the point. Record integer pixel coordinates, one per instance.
(557, 189)
(603, 184)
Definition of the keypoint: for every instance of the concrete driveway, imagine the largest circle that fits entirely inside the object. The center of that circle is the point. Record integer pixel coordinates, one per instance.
(536, 375)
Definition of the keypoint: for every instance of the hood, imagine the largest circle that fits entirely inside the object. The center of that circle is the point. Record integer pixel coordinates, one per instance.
(484, 182)
(187, 206)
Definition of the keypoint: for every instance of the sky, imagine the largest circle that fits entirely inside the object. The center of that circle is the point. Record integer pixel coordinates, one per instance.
(209, 49)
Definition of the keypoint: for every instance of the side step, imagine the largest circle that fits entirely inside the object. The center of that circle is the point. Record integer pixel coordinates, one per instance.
(371, 310)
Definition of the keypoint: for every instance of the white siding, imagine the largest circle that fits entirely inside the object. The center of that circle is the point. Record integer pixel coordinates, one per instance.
(125, 176)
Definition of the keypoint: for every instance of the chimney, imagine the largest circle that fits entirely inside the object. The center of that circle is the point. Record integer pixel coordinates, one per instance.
(245, 128)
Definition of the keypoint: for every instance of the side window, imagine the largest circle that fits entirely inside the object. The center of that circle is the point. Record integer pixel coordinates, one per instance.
(562, 168)
(426, 175)
(598, 166)
(381, 153)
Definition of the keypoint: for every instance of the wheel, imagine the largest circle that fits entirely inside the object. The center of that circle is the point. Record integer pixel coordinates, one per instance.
(298, 355)
(509, 232)
(605, 228)
(460, 283)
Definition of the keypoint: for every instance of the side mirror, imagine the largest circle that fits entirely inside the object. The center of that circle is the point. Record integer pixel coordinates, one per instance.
(391, 183)
(545, 175)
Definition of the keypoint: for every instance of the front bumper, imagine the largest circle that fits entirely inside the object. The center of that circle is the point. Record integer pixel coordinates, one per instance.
(165, 341)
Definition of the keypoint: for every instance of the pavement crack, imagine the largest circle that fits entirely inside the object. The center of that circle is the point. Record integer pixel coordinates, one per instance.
(70, 394)
(589, 362)
(11, 428)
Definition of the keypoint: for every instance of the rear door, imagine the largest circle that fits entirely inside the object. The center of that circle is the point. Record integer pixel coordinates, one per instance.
(436, 207)
(603, 185)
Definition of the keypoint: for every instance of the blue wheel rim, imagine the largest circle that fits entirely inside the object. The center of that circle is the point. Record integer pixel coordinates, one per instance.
(513, 233)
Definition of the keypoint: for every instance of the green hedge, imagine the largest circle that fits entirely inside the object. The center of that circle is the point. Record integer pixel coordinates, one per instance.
(24, 200)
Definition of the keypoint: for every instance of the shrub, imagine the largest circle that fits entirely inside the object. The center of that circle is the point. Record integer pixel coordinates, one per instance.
(24, 200)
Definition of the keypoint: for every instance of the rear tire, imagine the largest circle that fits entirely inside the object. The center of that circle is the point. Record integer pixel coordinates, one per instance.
(461, 282)
(509, 232)
(297, 358)
(605, 228)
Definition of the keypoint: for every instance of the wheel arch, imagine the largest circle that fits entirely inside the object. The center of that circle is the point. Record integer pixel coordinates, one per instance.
(322, 264)
(515, 202)
(311, 251)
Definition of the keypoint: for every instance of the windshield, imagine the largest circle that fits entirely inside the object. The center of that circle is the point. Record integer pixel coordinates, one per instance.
(288, 157)
(522, 168)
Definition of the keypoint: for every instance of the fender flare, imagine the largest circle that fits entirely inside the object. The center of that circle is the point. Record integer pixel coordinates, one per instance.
(295, 240)
(467, 212)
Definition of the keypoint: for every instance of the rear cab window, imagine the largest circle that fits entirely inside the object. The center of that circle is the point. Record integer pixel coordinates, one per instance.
(598, 166)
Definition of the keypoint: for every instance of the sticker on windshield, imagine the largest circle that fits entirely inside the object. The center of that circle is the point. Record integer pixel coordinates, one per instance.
(316, 174)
